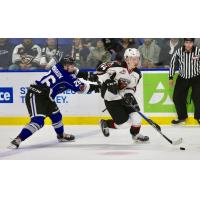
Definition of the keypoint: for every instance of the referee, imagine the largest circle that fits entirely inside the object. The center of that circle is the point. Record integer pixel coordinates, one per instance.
(187, 59)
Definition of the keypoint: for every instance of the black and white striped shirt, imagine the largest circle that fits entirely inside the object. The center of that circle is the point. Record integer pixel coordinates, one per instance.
(188, 63)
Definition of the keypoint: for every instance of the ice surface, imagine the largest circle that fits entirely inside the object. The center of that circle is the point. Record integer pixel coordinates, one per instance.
(91, 144)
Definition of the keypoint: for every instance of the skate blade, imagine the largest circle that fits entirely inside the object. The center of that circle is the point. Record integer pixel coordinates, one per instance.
(63, 141)
(11, 146)
(106, 135)
(141, 142)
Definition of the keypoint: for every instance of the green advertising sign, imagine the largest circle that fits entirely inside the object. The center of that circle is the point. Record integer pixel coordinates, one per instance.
(158, 95)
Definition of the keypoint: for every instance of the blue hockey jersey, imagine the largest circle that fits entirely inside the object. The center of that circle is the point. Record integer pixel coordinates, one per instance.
(59, 80)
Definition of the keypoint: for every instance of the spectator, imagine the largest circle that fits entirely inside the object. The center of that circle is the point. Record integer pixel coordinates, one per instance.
(89, 42)
(5, 53)
(160, 41)
(65, 45)
(98, 55)
(126, 43)
(26, 55)
(113, 46)
(139, 41)
(197, 42)
(80, 52)
(149, 53)
(50, 54)
(167, 51)
(129, 43)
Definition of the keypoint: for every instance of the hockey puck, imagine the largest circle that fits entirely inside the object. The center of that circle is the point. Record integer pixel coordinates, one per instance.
(182, 148)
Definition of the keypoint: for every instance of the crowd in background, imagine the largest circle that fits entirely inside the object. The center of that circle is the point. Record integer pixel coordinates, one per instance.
(43, 53)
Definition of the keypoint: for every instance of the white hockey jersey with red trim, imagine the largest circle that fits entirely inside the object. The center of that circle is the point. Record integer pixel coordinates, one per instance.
(127, 81)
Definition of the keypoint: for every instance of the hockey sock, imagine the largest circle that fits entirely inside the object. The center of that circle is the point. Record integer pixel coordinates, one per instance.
(35, 124)
(25, 133)
(56, 119)
(111, 123)
(134, 130)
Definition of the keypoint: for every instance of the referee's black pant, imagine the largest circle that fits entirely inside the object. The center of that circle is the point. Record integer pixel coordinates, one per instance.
(180, 96)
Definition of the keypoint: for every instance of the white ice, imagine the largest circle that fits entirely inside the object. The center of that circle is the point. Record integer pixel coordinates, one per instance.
(91, 144)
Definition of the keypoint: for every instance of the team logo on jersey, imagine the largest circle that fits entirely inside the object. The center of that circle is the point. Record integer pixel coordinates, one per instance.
(6, 95)
(123, 71)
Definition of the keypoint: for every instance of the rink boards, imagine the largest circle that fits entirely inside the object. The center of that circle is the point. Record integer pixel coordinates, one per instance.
(153, 94)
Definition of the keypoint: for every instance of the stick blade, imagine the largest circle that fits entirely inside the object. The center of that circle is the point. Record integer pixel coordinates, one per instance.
(177, 142)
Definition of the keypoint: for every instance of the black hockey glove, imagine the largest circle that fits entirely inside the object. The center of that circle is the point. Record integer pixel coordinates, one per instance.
(83, 75)
(130, 101)
(112, 86)
(92, 77)
(95, 88)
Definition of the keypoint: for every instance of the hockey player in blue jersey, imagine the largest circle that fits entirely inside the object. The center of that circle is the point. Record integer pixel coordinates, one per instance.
(40, 99)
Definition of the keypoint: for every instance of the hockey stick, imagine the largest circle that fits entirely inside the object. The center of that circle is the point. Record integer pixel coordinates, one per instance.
(158, 128)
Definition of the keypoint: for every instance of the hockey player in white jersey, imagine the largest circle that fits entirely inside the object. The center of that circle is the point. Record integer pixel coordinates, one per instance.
(119, 81)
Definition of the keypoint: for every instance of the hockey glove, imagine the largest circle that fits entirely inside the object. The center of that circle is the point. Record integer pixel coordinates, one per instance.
(112, 86)
(130, 101)
(92, 77)
(83, 75)
(95, 88)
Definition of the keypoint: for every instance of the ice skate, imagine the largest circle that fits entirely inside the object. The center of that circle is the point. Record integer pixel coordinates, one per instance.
(14, 144)
(65, 137)
(139, 138)
(104, 128)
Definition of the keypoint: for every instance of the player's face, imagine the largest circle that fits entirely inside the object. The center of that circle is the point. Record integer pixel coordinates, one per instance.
(132, 62)
(188, 45)
(99, 44)
(125, 40)
(77, 41)
(70, 68)
(174, 40)
(147, 41)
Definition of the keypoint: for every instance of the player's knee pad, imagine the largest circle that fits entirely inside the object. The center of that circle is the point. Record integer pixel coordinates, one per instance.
(56, 119)
(135, 119)
(35, 124)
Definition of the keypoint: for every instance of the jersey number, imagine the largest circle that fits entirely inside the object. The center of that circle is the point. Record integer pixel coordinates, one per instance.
(48, 80)
(77, 83)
